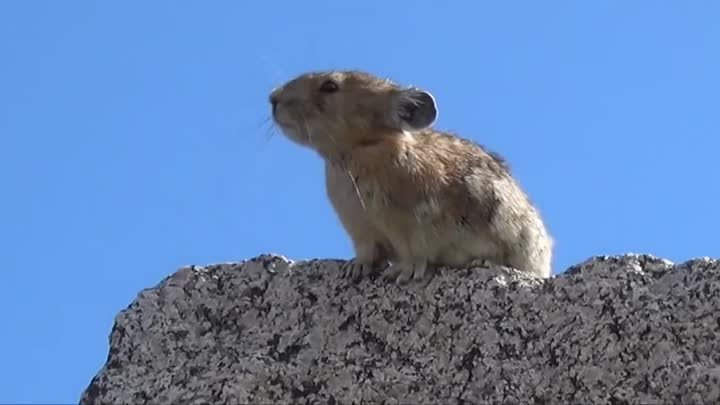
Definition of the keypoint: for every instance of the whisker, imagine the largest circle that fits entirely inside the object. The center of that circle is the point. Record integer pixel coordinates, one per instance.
(332, 138)
(306, 129)
(269, 132)
(270, 66)
(264, 121)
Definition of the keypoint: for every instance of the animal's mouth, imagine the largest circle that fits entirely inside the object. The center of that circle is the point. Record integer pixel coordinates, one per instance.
(282, 119)
(283, 126)
(290, 129)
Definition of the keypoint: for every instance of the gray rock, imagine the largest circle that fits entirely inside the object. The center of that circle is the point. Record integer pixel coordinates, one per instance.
(622, 330)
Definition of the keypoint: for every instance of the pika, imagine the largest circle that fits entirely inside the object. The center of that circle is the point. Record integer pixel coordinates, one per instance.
(410, 197)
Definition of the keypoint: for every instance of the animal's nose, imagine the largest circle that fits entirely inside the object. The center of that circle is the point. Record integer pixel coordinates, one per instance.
(275, 97)
(274, 101)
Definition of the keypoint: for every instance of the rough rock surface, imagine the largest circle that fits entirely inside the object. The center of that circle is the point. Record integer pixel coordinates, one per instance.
(618, 330)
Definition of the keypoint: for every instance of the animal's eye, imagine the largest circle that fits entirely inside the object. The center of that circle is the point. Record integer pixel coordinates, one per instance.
(329, 86)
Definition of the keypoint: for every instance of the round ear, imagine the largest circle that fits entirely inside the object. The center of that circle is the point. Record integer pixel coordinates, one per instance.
(416, 109)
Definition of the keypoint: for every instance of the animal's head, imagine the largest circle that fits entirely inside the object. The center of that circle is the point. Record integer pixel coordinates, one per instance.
(336, 111)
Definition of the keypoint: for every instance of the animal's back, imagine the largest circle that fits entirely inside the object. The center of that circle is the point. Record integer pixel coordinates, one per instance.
(499, 222)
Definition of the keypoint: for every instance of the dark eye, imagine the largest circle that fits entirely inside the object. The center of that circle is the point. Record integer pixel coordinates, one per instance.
(329, 86)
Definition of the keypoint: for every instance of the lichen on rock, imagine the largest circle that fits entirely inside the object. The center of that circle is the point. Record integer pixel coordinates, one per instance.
(623, 330)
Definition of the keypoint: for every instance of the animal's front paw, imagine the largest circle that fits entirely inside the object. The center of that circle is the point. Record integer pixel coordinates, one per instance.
(355, 270)
(401, 273)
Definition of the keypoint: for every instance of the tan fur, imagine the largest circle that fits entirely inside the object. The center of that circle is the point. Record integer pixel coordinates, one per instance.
(412, 197)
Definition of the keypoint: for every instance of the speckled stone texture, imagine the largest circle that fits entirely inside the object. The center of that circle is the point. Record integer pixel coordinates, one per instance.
(631, 329)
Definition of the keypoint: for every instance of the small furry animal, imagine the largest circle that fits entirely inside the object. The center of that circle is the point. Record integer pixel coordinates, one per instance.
(410, 197)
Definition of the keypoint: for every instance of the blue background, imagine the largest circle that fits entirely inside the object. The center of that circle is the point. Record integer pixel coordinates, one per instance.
(135, 138)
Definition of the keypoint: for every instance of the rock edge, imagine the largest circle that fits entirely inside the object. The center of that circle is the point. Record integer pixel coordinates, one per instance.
(623, 330)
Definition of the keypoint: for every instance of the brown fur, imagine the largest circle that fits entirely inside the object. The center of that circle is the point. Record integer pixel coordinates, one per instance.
(404, 192)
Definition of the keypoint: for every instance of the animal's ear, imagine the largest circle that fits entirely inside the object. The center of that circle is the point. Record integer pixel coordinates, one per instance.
(416, 109)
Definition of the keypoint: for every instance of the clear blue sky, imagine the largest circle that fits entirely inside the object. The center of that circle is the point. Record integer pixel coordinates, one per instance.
(134, 140)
